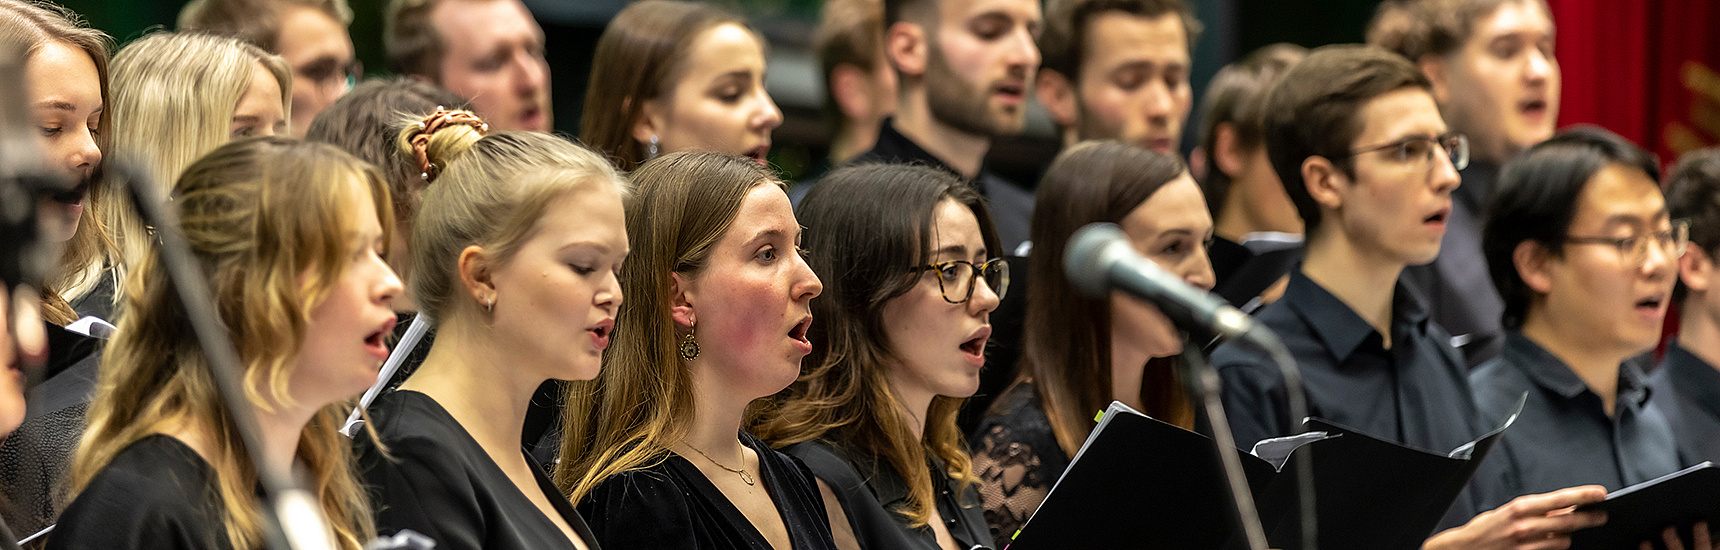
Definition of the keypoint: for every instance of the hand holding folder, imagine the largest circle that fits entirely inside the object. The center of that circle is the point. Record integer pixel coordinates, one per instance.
(1640, 512)
(1141, 483)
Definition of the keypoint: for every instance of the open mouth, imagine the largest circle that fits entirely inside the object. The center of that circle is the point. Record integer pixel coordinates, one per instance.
(377, 342)
(600, 334)
(974, 347)
(1651, 304)
(798, 333)
(1011, 91)
(1438, 217)
(1533, 107)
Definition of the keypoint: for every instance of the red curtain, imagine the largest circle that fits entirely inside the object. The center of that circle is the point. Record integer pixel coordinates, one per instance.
(1647, 69)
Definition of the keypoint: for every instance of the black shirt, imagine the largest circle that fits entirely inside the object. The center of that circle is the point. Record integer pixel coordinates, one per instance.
(1564, 437)
(1011, 205)
(157, 493)
(1686, 391)
(671, 505)
(872, 495)
(35, 459)
(1414, 393)
(439, 482)
(1459, 290)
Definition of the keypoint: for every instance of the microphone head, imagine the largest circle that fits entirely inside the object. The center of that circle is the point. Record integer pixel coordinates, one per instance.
(1088, 258)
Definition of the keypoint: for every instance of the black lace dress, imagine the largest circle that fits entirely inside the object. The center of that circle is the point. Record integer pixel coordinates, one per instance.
(1017, 460)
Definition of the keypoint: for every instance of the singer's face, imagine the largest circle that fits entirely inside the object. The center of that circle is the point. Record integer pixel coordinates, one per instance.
(1394, 210)
(556, 299)
(1172, 229)
(719, 103)
(345, 339)
(942, 345)
(751, 302)
(66, 101)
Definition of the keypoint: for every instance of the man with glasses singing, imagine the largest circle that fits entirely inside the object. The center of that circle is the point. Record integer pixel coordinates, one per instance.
(1584, 253)
(1354, 134)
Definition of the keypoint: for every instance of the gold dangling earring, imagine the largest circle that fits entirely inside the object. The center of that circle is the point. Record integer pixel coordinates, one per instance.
(689, 347)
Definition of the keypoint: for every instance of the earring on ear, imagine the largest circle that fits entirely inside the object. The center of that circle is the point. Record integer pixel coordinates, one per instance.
(651, 148)
(689, 347)
(490, 305)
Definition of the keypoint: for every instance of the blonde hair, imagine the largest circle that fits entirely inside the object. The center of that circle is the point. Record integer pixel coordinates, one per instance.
(642, 400)
(31, 26)
(173, 100)
(491, 193)
(259, 214)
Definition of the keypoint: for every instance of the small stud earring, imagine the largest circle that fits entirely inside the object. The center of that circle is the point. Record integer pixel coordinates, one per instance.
(651, 148)
(490, 306)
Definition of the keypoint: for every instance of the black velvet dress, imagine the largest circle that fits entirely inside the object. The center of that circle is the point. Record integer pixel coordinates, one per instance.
(672, 506)
(157, 493)
(439, 482)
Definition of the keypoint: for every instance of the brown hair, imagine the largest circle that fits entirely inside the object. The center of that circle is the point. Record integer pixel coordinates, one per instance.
(254, 21)
(642, 400)
(850, 32)
(259, 215)
(31, 26)
(366, 121)
(1315, 110)
(410, 40)
(638, 59)
(1237, 96)
(1062, 45)
(867, 224)
(1419, 28)
(1067, 348)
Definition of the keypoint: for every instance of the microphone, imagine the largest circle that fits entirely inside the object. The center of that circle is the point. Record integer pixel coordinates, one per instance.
(1100, 259)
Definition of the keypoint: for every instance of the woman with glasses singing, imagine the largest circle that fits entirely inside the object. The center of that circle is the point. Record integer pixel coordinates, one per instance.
(911, 270)
(1079, 354)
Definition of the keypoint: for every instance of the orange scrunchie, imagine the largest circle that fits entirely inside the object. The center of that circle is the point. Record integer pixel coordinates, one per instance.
(438, 120)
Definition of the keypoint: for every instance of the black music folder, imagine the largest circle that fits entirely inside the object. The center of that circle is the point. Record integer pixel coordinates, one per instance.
(1640, 512)
(1141, 483)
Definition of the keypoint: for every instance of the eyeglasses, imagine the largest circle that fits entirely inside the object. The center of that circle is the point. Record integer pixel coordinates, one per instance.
(1421, 148)
(956, 277)
(327, 74)
(1635, 247)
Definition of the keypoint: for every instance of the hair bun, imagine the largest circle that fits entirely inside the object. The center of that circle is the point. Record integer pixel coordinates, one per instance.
(440, 138)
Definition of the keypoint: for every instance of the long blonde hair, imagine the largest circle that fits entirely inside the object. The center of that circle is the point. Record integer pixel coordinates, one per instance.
(491, 193)
(260, 214)
(173, 100)
(642, 401)
(32, 26)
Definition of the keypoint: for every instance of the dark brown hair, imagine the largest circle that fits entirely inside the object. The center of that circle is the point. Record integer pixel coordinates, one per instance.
(1067, 348)
(1315, 110)
(850, 32)
(638, 59)
(1062, 46)
(1693, 193)
(1237, 96)
(410, 39)
(867, 225)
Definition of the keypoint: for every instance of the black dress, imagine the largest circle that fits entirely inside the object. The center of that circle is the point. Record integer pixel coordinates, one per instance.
(157, 493)
(439, 482)
(672, 506)
(1017, 459)
(872, 495)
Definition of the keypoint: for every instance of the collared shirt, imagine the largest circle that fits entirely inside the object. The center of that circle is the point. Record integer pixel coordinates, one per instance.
(1686, 390)
(1413, 393)
(1011, 205)
(1457, 286)
(1564, 437)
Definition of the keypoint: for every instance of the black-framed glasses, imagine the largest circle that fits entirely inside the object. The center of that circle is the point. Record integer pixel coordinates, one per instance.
(1671, 241)
(956, 277)
(1421, 148)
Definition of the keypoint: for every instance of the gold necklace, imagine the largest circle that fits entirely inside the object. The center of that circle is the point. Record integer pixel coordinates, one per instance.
(748, 478)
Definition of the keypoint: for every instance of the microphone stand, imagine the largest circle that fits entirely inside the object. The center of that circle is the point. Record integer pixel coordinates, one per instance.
(292, 518)
(1203, 382)
(1296, 403)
